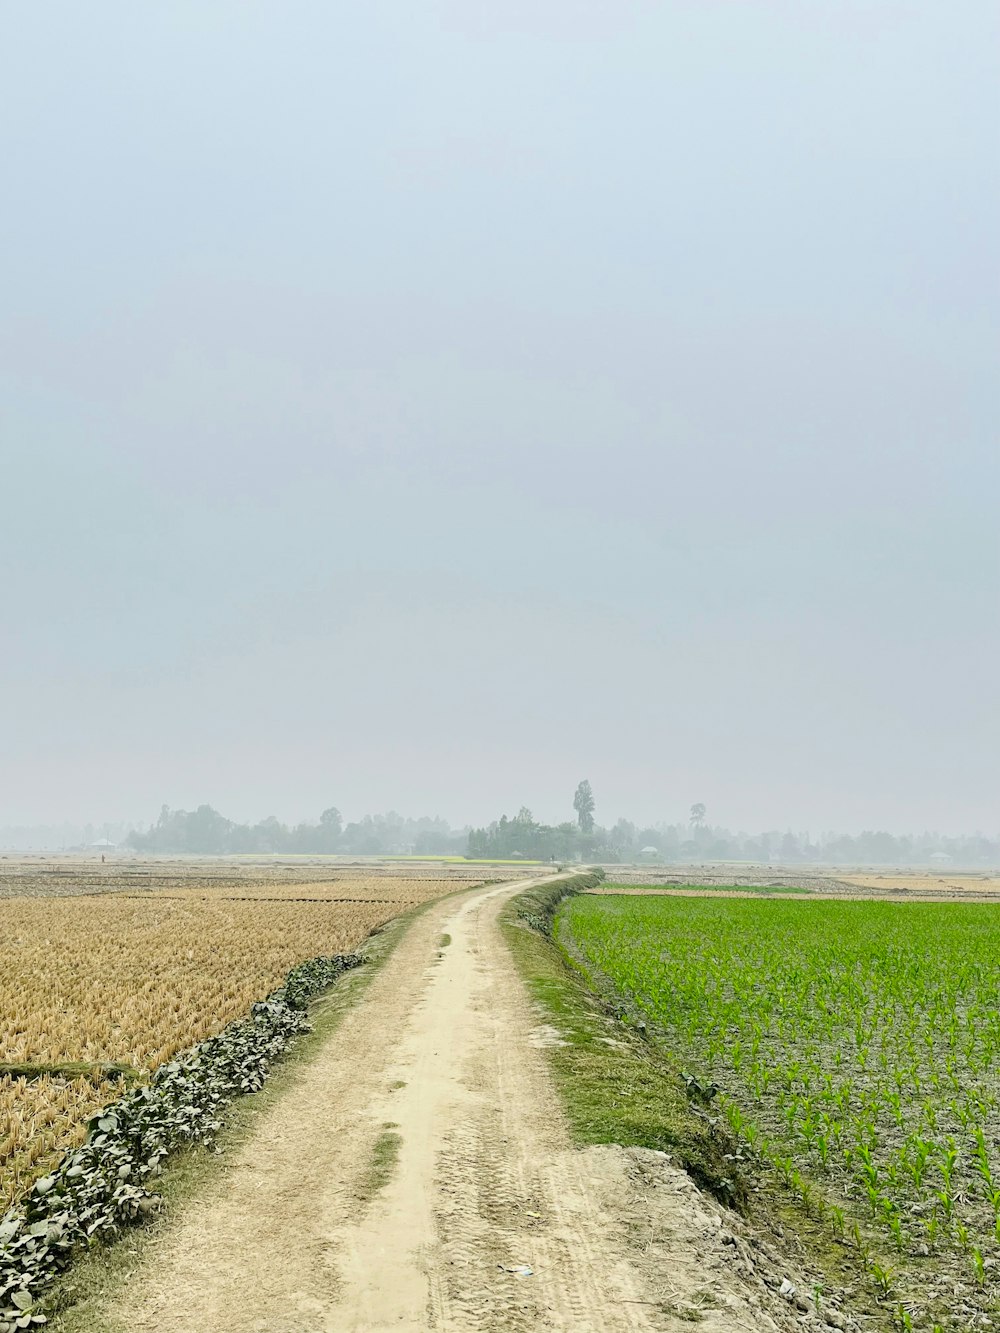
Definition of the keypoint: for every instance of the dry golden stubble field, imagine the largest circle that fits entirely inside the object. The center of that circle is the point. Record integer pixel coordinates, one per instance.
(118, 978)
(40, 1119)
(133, 981)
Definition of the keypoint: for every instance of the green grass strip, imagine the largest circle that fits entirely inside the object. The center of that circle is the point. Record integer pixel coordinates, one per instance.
(614, 1086)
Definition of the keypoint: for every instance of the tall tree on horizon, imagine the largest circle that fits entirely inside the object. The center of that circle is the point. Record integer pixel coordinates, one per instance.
(583, 804)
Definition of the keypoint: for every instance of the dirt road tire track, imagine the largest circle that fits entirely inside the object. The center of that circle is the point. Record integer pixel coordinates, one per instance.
(441, 1050)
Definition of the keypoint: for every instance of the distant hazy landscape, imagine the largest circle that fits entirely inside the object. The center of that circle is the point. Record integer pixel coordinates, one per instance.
(205, 831)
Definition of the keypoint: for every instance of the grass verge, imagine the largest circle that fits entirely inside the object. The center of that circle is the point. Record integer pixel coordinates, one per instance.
(615, 1087)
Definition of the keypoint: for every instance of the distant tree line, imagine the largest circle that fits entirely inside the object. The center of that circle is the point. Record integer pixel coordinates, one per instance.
(205, 832)
(697, 841)
(510, 839)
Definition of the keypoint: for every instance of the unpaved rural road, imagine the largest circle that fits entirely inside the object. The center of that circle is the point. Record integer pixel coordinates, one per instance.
(444, 1046)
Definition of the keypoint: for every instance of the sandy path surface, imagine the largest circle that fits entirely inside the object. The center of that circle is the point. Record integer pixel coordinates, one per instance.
(444, 1050)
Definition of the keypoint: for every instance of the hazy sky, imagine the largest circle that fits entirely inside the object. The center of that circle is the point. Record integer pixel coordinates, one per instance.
(426, 404)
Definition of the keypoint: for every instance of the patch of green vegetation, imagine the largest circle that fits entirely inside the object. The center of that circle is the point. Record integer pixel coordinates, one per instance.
(502, 861)
(96, 1072)
(466, 860)
(616, 1088)
(444, 941)
(385, 1154)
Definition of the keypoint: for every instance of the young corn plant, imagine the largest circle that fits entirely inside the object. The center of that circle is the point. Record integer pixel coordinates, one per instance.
(978, 1266)
(882, 1277)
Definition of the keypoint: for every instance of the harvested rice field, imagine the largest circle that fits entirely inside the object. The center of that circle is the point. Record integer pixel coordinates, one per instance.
(125, 966)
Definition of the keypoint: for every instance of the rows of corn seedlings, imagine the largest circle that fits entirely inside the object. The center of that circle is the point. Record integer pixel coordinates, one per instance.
(856, 1048)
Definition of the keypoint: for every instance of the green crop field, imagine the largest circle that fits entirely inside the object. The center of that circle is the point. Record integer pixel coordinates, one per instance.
(856, 1050)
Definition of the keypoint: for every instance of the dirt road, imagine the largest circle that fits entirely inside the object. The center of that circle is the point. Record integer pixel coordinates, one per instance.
(443, 1051)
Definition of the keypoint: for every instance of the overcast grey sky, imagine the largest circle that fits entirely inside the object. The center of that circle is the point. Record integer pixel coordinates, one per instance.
(428, 403)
